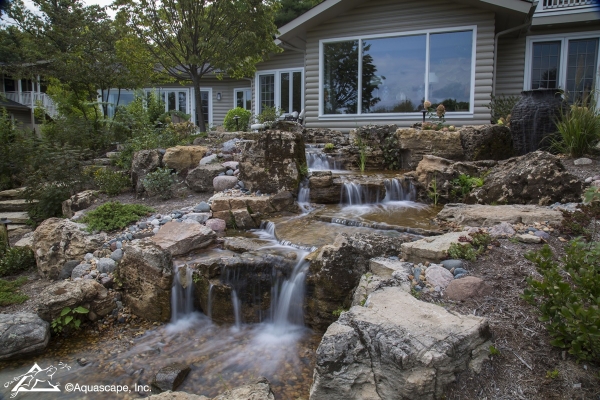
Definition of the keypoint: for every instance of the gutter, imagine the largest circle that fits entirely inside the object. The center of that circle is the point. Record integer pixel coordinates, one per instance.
(516, 28)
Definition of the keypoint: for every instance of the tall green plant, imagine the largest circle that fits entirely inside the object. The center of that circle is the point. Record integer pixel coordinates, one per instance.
(578, 128)
(242, 123)
(362, 154)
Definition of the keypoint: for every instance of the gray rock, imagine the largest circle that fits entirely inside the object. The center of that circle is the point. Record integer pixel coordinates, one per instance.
(208, 159)
(241, 184)
(67, 269)
(503, 229)
(229, 172)
(438, 276)
(200, 179)
(202, 207)
(221, 183)
(528, 238)
(452, 264)
(483, 215)
(106, 265)
(155, 230)
(582, 161)
(179, 238)
(589, 180)
(171, 376)
(22, 334)
(155, 222)
(230, 165)
(460, 271)
(119, 244)
(88, 257)
(80, 270)
(144, 162)
(260, 389)
(216, 224)
(434, 248)
(143, 225)
(542, 234)
(198, 217)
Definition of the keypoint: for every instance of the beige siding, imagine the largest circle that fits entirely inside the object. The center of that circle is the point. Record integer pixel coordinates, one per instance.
(510, 68)
(389, 16)
(287, 59)
(225, 87)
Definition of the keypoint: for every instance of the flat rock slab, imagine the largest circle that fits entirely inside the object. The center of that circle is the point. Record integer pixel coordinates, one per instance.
(257, 390)
(14, 205)
(396, 347)
(177, 396)
(466, 288)
(434, 248)
(243, 245)
(483, 215)
(22, 334)
(12, 193)
(18, 217)
(385, 267)
(178, 238)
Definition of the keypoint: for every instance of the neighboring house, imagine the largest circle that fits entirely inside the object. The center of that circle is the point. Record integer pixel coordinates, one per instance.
(21, 96)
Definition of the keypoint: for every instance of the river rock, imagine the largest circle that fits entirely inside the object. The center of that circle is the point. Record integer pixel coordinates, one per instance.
(144, 162)
(216, 224)
(582, 161)
(208, 159)
(78, 202)
(22, 335)
(534, 178)
(452, 264)
(202, 207)
(178, 238)
(433, 249)
(200, 179)
(396, 347)
(171, 376)
(260, 389)
(58, 240)
(106, 265)
(183, 157)
(483, 215)
(146, 275)
(86, 293)
(221, 183)
(466, 288)
(117, 255)
(438, 276)
(67, 269)
(80, 270)
(201, 217)
(503, 229)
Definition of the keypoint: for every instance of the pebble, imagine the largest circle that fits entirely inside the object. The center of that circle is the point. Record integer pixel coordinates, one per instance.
(88, 257)
(133, 229)
(460, 271)
(589, 180)
(155, 230)
(229, 172)
(143, 225)
(155, 222)
(582, 161)
(129, 236)
(460, 276)
(527, 238)
(417, 273)
(542, 234)
(241, 184)
(452, 264)
(202, 207)
(119, 245)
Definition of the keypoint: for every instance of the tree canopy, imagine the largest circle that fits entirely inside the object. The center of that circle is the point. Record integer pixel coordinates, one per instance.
(291, 9)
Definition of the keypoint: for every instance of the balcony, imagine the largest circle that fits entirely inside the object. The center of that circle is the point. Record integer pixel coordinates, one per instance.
(548, 5)
(32, 99)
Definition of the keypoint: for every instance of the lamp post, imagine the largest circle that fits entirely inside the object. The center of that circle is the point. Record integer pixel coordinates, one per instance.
(4, 231)
(424, 112)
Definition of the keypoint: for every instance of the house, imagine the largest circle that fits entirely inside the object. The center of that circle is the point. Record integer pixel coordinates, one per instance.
(20, 97)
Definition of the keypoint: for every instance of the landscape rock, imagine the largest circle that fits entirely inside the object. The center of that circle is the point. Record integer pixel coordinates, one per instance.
(22, 335)
(144, 162)
(146, 274)
(67, 269)
(231, 165)
(503, 230)
(202, 207)
(168, 395)
(198, 217)
(415, 144)
(582, 161)
(171, 376)
(385, 267)
(183, 157)
(486, 142)
(117, 255)
(466, 288)
(200, 179)
(438, 276)
(216, 224)
(80, 270)
(396, 347)
(78, 202)
(433, 248)
(178, 238)
(242, 219)
(260, 389)
(86, 293)
(25, 241)
(529, 238)
(57, 240)
(208, 159)
(284, 201)
(483, 215)
(452, 264)
(534, 178)
(106, 265)
(225, 182)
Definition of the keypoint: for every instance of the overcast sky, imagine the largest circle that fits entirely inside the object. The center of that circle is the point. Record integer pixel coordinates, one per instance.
(101, 3)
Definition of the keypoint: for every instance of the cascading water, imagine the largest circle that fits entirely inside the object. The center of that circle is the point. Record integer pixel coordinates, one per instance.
(395, 190)
(237, 309)
(319, 161)
(210, 299)
(304, 197)
(182, 294)
(355, 194)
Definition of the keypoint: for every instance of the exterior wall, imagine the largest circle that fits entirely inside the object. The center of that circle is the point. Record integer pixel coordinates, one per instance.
(225, 87)
(389, 16)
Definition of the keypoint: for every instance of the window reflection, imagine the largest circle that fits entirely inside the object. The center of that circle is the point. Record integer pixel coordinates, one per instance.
(544, 72)
(340, 77)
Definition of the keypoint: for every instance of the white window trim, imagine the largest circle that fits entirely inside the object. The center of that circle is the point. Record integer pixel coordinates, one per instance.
(242, 90)
(398, 116)
(210, 105)
(563, 38)
(277, 73)
(190, 109)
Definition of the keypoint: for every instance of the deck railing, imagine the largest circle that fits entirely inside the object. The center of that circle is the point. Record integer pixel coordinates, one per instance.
(31, 99)
(567, 4)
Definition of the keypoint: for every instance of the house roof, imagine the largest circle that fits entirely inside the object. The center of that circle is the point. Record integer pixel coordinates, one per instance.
(12, 105)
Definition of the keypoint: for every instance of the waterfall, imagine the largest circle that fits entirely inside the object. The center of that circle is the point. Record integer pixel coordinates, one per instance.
(319, 161)
(210, 300)
(237, 309)
(395, 190)
(182, 293)
(288, 298)
(304, 197)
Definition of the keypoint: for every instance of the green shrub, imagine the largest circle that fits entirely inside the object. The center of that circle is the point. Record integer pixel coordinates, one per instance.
(476, 243)
(577, 223)
(269, 114)
(49, 202)
(501, 107)
(568, 297)
(159, 182)
(68, 319)
(111, 182)
(114, 215)
(578, 129)
(463, 185)
(329, 147)
(462, 251)
(243, 121)
(15, 260)
(9, 294)
(155, 139)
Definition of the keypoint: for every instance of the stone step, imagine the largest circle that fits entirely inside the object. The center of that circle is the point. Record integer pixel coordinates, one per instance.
(12, 193)
(14, 227)
(18, 217)
(14, 205)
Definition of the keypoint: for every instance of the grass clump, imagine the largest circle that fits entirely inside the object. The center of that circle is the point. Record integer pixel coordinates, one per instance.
(114, 215)
(463, 185)
(9, 292)
(111, 182)
(159, 182)
(475, 244)
(578, 129)
(329, 147)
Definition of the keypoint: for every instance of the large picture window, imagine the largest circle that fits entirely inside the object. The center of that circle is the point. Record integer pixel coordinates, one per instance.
(397, 73)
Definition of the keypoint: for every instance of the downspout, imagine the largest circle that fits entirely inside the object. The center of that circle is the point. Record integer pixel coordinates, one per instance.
(497, 36)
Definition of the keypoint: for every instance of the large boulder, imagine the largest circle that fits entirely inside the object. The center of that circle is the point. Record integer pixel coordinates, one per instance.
(179, 238)
(58, 240)
(221, 183)
(86, 293)
(415, 144)
(486, 142)
(395, 347)
(22, 334)
(200, 179)
(535, 178)
(78, 202)
(324, 135)
(146, 275)
(483, 215)
(144, 162)
(272, 161)
(182, 158)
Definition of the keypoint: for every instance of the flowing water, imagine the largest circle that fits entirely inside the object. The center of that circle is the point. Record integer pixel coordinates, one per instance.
(317, 160)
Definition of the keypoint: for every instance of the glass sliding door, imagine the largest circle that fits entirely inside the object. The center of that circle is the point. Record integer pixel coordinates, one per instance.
(280, 89)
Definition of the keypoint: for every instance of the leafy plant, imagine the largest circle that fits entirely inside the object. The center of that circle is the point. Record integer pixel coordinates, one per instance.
(578, 222)
(338, 312)
(494, 351)
(501, 108)
(578, 129)
(568, 297)
(328, 148)
(552, 374)
(432, 191)
(111, 182)
(362, 154)
(243, 122)
(68, 319)
(16, 259)
(392, 155)
(269, 114)
(462, 251)
(114, 215)
(9, 294)
(464, 184)
(476, 244)
(159, 182)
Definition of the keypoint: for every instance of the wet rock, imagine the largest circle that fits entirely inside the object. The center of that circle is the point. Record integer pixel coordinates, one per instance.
(483, 215)
(221, 183)
(22, 335)
(78, 202)
(183, 157)
(434, 248)
(438, 276)
(529, 238)
(216, 224)
(260, 389)
(396, 347)
(67, 269)
(200, 179)
(466, 288)
(86, 293)
(171, 376)
(535, 178)
(146, 274)
(178, 238)
(144, 162)
(106, 265)
(58, 240)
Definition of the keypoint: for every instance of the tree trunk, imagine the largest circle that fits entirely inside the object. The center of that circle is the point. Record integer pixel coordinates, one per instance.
(198, 96)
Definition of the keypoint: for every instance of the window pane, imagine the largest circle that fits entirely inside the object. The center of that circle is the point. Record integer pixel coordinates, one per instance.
(581, 68)
(204, 106)
(393, 74)
(267, 91)
(171, 97)
(183, 102)
(284, 92)
(544, 71)
(239, 99)
(248, 99)
(450, 57)
(340, 77)
(297, 92)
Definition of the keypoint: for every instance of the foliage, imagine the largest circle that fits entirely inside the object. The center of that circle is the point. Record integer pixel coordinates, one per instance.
(140, 117)
(578, 129)
(329, 147)
(242, 123)
(209, 37)
(362, 153)
(437, 116)
(432, 190)
(15, 260)
(303, 170)
(494, 351)
(68, 319)
(159, 182)
(476, 243)
(9, 294)
(154, 139)
(462, 251)
(111, 182)
(269, 114)
(577, 223)
(338, 312)
(114, 215)
(552, 374)
(568, 297)
(291, 9)
(501, 107)
(392, 154)
(463, 185)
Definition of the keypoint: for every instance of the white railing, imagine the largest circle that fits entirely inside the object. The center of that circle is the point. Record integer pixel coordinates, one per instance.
(31, 99)
(570, 4)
